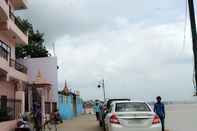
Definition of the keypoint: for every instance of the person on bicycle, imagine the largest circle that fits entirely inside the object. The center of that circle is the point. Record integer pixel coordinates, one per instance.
(56, 117)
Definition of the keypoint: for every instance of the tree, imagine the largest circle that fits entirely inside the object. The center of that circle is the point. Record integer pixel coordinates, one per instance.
(35, 47)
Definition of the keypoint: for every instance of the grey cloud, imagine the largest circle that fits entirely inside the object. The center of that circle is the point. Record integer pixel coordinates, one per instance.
(60, 17)
(129, 43)
(133, 61)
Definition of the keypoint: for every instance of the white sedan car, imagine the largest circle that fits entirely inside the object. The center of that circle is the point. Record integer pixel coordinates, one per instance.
(131, 116)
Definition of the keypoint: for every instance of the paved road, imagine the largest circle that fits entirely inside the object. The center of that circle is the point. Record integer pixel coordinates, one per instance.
(82, 123)
(179, 118)
(182, 117)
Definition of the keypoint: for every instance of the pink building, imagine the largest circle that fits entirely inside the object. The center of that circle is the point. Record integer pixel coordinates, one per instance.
(13, 75)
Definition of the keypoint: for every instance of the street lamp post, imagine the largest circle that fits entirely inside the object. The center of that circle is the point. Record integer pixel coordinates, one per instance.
(102, 85)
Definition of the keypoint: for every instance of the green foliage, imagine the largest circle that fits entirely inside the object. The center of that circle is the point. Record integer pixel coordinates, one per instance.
(24, 25)
(35, 47)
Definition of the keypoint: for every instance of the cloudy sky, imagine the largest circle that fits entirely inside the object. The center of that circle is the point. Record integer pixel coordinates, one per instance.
(136, 45)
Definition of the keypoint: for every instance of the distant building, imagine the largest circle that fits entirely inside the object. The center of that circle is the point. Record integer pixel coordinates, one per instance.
(70, 103)
(42, 76)
(89, 107)
(49, 69)
(13, 75)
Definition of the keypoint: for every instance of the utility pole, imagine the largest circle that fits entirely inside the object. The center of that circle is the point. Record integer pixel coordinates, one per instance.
(102, 84)
(194, 38)
(54, 53)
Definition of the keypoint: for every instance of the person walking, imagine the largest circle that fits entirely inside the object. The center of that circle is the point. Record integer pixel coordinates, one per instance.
(97, 110)
(159, 109)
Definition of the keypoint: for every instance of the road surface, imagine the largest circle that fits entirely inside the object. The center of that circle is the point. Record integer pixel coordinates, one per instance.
(182, 117)
(179, 118)
(82, 123)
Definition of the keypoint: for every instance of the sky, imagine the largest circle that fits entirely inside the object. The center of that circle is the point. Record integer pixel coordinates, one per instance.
(137, 46)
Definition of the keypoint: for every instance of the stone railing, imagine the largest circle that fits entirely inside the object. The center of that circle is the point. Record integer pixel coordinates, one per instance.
(18, 66)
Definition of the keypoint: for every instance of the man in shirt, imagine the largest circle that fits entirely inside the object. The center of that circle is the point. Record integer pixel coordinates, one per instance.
(159, 109)
(97, 110)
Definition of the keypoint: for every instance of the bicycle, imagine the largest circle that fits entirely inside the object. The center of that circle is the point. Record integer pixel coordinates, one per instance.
(49, 125)
(52, 121)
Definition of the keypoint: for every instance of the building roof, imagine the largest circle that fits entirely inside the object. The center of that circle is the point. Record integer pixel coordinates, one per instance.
(41, 81)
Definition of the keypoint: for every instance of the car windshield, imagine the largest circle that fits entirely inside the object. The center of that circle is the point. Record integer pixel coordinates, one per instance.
(132, 107)
(112, 100)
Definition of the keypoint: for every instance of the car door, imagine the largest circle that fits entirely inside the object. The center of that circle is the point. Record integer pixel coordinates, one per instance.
(108, 115)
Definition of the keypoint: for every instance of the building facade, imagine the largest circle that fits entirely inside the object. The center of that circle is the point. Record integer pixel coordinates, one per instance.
(13, 75)
(49, 69)
(70, 105)
(42, 75)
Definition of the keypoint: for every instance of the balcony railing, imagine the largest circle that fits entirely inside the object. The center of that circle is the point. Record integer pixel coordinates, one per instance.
(18, 66)
(10, 109)
(4, 50)
(3, 53)
(18, 23)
